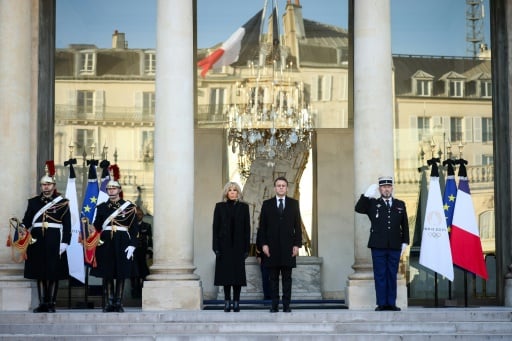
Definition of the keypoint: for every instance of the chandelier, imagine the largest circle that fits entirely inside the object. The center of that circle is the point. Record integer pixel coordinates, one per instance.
(270, 121)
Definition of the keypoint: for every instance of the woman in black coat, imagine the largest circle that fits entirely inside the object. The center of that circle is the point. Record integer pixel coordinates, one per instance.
(231, 242)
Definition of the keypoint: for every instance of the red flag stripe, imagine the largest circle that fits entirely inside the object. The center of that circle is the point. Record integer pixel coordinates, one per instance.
(464, 247)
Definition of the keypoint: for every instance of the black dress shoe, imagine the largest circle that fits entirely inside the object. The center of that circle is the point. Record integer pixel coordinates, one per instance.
(380, 308)
(236, 306)
(227, 306)
(394, 308)
(274, 310)
(42, 308)
(287, 309)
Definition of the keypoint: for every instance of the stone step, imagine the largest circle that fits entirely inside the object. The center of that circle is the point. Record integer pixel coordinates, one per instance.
(444, 323)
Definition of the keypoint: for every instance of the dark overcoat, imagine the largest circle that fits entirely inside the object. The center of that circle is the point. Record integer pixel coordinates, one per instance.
(231, 242)
(386, 231)
(145, 240)
(111, 254)
(43, 258)
(281, 232)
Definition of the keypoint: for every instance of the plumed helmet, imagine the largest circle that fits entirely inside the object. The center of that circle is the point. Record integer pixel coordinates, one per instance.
(114, 177)
(49, 176)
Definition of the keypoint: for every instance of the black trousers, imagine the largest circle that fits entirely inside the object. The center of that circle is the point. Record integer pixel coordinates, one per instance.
(286, 279)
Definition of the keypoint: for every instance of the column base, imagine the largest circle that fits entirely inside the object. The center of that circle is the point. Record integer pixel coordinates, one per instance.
(360, 294)
(508, 293)
(172, 295)
(15, 296)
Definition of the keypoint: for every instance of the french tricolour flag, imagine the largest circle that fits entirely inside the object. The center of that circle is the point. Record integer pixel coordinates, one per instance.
(242, 39)
(465, 238)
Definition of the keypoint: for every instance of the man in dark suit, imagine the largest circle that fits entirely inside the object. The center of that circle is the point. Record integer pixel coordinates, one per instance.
(389, 237)
(280, 238)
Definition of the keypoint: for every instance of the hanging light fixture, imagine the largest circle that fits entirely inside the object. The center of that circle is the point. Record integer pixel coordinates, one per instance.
(271, 120)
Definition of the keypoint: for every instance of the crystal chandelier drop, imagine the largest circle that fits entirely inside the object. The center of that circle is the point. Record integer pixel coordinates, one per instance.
(270, 122)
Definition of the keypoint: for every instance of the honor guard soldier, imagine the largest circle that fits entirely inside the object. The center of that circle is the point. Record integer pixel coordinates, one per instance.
(48, 219)
(389, 237)
(116, 222)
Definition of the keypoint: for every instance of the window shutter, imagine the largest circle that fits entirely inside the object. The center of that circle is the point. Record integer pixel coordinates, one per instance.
(99, 102)
(467, 135)
(477, 129)
(413, 125)
(314, 89)
(327, 88)
(138, 103)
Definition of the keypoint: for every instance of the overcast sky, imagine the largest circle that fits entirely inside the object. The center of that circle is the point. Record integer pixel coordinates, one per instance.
(433, 27)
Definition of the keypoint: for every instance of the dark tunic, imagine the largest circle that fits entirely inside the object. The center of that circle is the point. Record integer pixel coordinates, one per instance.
(386, 232)
(281, 232)
(144, 241)
(111, 254)
(231, 242)
(43, 259)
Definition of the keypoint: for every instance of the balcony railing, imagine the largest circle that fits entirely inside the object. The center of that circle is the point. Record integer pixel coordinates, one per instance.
(108, 114)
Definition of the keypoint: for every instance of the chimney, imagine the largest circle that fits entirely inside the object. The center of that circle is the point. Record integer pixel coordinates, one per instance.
(118, 40)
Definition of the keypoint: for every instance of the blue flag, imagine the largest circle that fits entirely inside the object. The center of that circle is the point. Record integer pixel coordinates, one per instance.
(450, 193)
(91, 195)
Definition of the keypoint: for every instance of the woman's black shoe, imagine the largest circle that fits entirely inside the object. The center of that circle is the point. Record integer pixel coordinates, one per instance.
(236, 306)
(227, 306)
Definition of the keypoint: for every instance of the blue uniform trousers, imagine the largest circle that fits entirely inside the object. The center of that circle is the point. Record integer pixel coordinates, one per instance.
(385, 269)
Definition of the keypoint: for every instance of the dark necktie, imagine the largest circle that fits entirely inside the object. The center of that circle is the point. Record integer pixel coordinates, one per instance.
(387, 203)
(281, 207)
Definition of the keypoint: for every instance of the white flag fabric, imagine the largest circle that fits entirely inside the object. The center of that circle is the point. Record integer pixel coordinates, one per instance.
(75, 251)
(435, 252)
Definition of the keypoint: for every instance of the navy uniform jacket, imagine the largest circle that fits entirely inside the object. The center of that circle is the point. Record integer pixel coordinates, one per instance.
(43, 259)
(111, 255)
(389, 227)
(280, 233)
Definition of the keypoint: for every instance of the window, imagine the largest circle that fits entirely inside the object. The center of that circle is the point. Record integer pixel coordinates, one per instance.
(487, 160)
(486, 89)
(456, 88)
(423, 87)
(423, 128)
(456, 129)
(84, 102)
(487, 135)
(84, 139)
(148, 104)
(486, 222)
(216, 101)
(147, 145)
(149, 63)
(87, 63)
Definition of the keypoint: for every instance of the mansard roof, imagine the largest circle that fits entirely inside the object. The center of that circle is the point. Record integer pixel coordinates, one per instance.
(323, 44)
(441, 68)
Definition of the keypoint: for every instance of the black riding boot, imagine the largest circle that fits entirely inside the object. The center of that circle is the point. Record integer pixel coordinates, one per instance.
(108, 294)
(42, 290)
(119, 296)
(53, 288)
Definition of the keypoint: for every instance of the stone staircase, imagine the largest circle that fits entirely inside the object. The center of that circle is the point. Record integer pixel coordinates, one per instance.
(482, 323)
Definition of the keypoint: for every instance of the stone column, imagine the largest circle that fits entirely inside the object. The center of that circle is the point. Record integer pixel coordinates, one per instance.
(501, 29)
(373, 134)
(172, 283)
(16, 133)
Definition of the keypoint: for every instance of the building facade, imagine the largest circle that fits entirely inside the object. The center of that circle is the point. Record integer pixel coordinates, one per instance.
(133, 112)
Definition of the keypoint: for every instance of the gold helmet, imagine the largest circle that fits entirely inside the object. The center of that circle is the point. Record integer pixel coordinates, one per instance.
(49, 176)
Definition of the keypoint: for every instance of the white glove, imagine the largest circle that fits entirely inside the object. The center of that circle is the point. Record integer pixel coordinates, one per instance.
(372, 191)
(129, 251)
(404, 246)
(62, 248)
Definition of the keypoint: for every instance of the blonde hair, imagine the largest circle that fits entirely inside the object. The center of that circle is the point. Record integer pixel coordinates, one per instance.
(229, 185)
